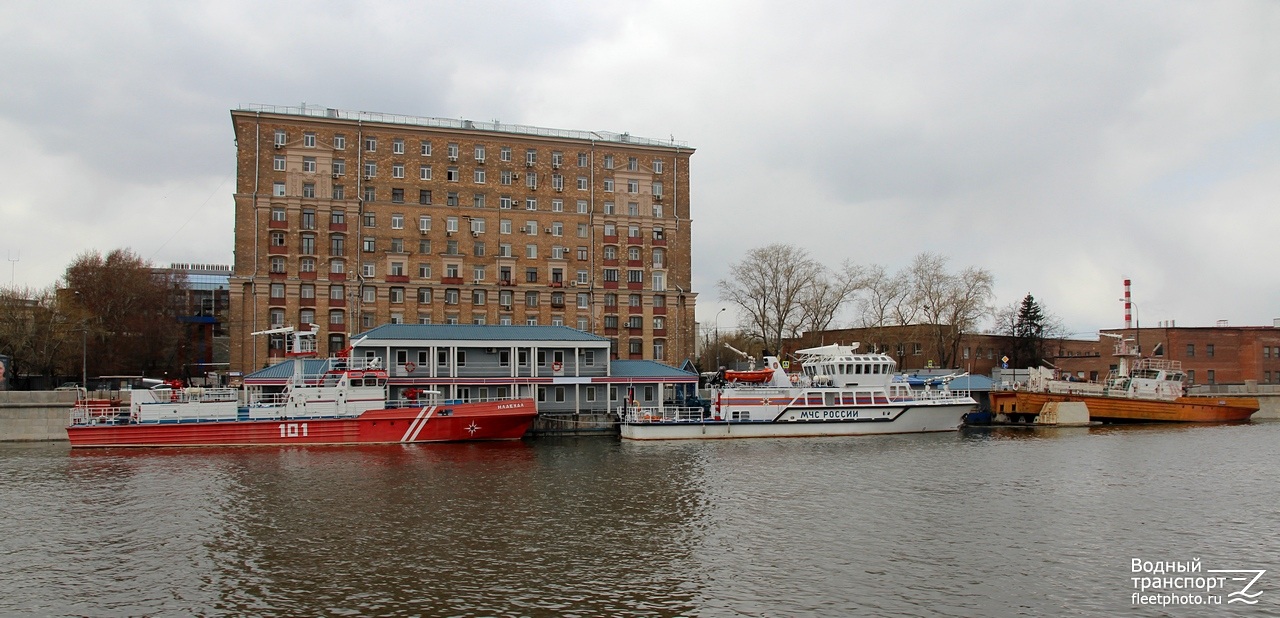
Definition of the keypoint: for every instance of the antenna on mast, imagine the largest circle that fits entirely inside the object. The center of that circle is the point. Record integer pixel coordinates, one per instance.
(13, 266)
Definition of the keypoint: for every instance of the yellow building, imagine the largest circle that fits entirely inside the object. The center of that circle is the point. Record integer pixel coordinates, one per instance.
(349, 220)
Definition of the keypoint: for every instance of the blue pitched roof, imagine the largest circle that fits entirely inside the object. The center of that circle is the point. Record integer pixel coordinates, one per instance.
(646, 369)
(478, 332)
(284, 369)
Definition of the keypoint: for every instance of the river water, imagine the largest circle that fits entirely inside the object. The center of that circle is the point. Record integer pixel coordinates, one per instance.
(984, 522)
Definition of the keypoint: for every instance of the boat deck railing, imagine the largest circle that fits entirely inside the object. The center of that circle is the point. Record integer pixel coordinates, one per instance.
(99, 415)
(632, 414)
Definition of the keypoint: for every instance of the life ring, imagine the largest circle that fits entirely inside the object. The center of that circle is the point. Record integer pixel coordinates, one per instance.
(410, 366)
(795, 378)
(557, 366)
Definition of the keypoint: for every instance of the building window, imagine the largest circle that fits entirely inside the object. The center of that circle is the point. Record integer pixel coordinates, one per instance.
(451, 198)
(582, 159)
(339, 192)
(659, 349)
(396, 295)
(451, 174)
(370, 169)
(339, 142)
(424, 172)
(397, 146)
(531, 299)
(1212, 378)
(530, 203)
(424, 197)
(308, 189)
(369, 194)
(1191, 350)
(397, 170)
(478, 176)
(280, 137)
(1208, 351)
(339, 167)
(635, 346)
(371, 144)
(608, 185)
(277, 264)
(278, 163)
(633, 186)
(582, 207)
(477, 201)
(277, 189)
(608, 162)
(531, 180)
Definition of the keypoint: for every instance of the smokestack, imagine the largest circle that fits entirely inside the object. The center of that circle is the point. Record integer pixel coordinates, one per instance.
(1128, 306)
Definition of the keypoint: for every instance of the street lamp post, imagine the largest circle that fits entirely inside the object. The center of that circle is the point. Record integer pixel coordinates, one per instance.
(1137, 325)
(722, 310)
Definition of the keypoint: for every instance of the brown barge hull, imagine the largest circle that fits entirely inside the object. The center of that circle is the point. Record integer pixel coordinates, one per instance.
(1117, 410)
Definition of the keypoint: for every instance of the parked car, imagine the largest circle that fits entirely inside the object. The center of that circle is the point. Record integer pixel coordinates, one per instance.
(68, 386)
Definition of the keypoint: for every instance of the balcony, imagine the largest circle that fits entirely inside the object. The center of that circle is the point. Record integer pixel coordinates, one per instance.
(401, 278)
(556, 284)
(307, 302)
(506, 282)
(277, 250)
(635, 240)
(278, 225)
(613, 262)
(659, 242)
(611, 239)
(307, 275)
(337, 227)
(659, 311)
(337, 302)
(635, 262)
(278, 275)
(337, 276)
(451, 280)
(610, 285)
(635, 285)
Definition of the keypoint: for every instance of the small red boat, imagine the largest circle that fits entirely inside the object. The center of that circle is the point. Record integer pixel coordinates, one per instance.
(757, 376)
(345, 403)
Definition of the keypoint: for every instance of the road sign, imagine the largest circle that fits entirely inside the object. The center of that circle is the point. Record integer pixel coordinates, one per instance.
(1004, 359)
(1004, 365)
(786, 364)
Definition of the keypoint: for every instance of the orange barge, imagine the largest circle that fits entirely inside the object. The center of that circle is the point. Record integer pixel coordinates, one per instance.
(1121, 410)
(1140, 390)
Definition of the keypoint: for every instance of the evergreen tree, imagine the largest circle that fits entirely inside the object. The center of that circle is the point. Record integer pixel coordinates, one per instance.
(1028, 334)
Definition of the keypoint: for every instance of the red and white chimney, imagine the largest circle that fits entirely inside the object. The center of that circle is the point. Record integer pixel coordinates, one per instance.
(1128, 306)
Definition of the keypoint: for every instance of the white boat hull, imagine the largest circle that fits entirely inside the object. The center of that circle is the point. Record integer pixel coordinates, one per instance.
(908, 419)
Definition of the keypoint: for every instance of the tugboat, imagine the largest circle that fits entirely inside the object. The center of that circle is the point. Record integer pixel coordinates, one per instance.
(1139, 390)
(340, 400)
(840, 392)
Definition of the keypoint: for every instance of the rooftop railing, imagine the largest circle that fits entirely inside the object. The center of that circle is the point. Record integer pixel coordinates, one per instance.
(317, 111)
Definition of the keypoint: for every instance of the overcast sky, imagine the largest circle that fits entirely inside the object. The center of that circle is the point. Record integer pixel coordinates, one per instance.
(1063, 146)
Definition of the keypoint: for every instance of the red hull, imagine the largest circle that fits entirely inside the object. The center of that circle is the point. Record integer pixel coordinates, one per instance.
(492, 420)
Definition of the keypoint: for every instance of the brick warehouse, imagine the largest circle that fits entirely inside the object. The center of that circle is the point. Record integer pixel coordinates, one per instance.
(349, 220)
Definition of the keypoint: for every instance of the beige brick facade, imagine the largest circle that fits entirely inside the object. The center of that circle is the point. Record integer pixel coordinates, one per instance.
(352, 220)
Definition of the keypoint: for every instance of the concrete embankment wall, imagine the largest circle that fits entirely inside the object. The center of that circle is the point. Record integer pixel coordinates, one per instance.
(593, 424)
(35, 415)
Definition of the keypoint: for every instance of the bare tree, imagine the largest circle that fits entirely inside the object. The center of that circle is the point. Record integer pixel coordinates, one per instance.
(130, 310)
(768, 285)
(822, 301)
(34, 333)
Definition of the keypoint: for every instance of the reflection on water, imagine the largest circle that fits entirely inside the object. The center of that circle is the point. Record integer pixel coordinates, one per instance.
(980, 523)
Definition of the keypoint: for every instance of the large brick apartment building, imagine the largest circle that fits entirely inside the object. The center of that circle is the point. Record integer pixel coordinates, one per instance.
(349, 220)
